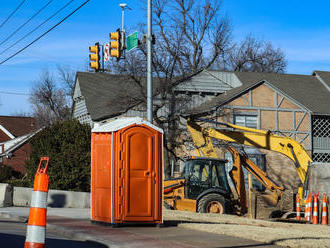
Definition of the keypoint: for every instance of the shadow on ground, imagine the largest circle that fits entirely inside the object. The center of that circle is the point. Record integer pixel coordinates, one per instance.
(17, 241)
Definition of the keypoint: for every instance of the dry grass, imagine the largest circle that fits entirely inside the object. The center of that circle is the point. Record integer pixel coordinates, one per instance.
(278, 233)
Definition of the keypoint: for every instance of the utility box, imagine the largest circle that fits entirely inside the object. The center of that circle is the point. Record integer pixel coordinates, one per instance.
(127, 172)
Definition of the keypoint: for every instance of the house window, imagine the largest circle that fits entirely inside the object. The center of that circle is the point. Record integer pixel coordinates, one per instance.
(246, 120)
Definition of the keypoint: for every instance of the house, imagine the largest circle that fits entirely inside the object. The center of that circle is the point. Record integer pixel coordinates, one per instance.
(100, 96)
(15, 132)
(287, 104)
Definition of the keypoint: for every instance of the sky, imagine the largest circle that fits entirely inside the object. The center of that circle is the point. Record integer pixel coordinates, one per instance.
(299, 28)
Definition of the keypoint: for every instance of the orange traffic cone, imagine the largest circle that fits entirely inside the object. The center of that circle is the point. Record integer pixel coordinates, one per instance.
(298, 207)
(315, 209)
(36, 229)
(324, 211)
(308, 208)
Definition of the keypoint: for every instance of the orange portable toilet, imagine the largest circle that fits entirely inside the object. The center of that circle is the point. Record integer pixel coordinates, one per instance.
(127, 172)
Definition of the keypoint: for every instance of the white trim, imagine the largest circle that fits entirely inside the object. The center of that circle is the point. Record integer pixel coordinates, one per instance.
(3, 129)
(121, 123)
(111, 184)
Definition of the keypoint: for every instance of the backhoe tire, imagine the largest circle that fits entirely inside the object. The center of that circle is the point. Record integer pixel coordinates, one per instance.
(212, 203)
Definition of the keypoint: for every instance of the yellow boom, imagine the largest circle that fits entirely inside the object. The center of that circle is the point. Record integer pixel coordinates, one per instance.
(250, 137)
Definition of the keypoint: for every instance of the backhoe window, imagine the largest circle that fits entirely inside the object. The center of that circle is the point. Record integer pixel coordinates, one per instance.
(205, 174)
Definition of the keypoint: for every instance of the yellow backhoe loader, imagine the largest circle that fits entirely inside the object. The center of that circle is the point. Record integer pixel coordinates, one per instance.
(204, 184)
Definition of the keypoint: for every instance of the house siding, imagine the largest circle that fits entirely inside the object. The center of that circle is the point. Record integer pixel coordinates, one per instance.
(279, 114)
(18, 158)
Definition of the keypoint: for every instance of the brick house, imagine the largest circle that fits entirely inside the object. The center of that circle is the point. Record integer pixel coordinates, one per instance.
(287, 104)
(15, 133)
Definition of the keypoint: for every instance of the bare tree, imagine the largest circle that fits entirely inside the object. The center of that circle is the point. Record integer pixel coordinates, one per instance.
(255, 56)
(67, 78)
(191, 35)
(48, 101)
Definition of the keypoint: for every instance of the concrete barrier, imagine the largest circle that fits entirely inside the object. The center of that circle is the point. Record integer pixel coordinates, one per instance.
(6, 195)
(22, 197)
(319, 179)
(68, 199)
(56, 198)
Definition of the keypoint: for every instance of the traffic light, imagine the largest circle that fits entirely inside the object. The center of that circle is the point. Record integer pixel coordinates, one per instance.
(115, 44)
(94, 57)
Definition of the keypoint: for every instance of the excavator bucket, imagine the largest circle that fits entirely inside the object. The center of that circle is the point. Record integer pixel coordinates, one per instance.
(270, 198)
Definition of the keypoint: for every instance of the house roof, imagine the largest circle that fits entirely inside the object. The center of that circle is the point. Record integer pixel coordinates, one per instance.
(324, 77)
(11, 145)
(108, 95)
(305, 90)
(18, 125)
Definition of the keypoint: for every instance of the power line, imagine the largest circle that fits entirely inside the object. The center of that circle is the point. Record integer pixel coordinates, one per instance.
(44, 33)
(14, 93)
(33, 30)
(30, 19)
(12, 13)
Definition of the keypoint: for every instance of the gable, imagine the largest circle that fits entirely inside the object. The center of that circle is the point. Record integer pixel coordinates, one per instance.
(264, 96)
(77, 91)
(209, 81)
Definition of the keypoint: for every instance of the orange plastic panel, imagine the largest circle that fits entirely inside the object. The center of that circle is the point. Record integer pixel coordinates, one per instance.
(101, 177)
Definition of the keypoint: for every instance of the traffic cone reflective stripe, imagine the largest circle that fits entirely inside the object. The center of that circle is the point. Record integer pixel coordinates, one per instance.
(308, 208)
(315, 209)
(324, 210)
(298, 207)
(36, 229)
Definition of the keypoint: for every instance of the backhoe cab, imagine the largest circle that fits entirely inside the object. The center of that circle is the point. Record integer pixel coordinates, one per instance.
(203, 187)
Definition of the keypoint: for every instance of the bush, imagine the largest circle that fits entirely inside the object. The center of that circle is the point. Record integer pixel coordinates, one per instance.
(67, 144)
(18, 182)
(7, 173)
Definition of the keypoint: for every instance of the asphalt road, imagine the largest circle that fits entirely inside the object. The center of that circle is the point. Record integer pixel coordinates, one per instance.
(12, 235)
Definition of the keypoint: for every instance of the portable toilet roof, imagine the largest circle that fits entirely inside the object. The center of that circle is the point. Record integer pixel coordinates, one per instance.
(113, 126)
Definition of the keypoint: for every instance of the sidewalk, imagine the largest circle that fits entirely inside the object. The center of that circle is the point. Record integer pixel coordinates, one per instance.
(75, 223)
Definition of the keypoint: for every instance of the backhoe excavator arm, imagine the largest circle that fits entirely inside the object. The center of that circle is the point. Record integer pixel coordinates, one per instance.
(250, 137)
(204, 147)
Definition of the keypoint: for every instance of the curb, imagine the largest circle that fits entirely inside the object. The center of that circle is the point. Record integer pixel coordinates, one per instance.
(70, 233)
(6, 215)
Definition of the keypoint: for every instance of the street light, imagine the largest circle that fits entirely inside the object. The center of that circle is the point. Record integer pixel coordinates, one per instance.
(149, 61)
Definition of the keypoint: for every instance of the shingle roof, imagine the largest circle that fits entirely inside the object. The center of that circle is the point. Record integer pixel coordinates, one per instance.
(18, 125)
(108, 95)
(324, 76)
(305, 90)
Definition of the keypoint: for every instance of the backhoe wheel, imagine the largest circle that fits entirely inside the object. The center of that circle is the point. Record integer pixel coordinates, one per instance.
(212, 203)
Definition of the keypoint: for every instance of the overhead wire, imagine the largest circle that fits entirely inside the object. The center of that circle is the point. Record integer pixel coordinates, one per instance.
(49, 30)
(14, 93)
(30, 19)
(12, 13)
(37, 27)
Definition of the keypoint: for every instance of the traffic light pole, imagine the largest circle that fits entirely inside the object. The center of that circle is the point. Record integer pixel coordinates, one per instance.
(149, 63)
(123, 31)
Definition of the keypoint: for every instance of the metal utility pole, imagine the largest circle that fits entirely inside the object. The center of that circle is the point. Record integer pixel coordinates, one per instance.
(149, 65)
(123, 31)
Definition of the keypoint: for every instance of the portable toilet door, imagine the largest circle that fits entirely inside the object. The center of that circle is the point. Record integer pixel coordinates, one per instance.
(136, 168)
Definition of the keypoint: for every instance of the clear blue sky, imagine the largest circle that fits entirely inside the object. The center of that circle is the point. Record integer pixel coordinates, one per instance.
(299, 28)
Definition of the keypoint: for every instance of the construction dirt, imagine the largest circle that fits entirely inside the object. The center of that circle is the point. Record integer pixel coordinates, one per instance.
(271, 232)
